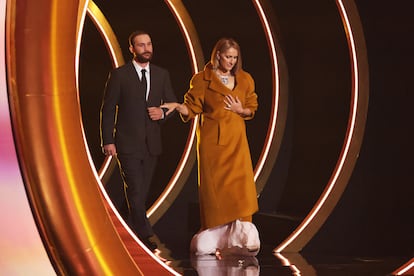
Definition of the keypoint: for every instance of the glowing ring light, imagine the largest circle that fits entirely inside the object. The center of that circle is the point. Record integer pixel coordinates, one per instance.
(117, 58)
(405, 269)
(277, 121)
(186, 163)
(353, 138)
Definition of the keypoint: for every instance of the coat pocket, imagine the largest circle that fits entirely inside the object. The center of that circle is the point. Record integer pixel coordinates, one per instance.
(224, 134)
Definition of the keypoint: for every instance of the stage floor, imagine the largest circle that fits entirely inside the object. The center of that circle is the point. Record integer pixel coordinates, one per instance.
(266, 263)
(175, 249)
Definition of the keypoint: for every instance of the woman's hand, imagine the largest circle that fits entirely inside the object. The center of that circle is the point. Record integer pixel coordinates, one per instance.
(234, 104)
(170, 107)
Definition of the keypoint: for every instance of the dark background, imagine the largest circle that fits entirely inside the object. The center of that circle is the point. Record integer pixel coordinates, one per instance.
(375, 214)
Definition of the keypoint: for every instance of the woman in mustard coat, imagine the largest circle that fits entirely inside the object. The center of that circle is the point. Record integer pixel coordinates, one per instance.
(223, 94)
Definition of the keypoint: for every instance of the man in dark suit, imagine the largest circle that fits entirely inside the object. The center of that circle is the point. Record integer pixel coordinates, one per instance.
(130, 126)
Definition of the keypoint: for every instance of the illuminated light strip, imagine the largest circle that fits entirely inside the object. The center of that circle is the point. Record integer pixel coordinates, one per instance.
(196, 55)
(285, 262)
(275, 107)
(405, 268)
(345, 152)
(296, 263)
(112, 45)
(109, 38)
(105, 166)
(61, 135)
(132, 234)
(98, 18)
(180, 12)
(77, 199)
(182, 16)
(174, 180)
(90, 5)
(78, 42)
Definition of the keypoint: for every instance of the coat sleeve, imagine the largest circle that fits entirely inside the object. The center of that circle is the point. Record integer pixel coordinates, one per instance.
(251, 97)
(168, 92)
(194, 98)
(108, 109)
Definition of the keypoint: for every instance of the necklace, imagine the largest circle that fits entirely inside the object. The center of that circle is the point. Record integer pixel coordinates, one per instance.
(224, 79)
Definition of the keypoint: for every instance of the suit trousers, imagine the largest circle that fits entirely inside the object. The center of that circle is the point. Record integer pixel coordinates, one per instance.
(137, 173)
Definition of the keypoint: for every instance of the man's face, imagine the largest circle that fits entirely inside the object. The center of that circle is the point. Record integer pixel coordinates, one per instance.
(142, 48)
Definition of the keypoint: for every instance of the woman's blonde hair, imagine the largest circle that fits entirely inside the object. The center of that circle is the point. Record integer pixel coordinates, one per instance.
(223, 45)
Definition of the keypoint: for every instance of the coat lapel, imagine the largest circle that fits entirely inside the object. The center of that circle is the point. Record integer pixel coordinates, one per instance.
(132, 74)
(134, 80)
(214, 83)
(153, 83)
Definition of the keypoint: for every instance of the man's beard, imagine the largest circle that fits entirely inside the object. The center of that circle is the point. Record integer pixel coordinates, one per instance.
(142, 59)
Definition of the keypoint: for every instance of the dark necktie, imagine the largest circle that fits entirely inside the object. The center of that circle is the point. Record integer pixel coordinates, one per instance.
(144, 81)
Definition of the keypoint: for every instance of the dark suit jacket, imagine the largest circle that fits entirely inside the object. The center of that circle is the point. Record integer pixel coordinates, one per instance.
(124, 117)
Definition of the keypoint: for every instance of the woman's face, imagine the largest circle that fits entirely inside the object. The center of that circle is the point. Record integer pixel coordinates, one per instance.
(228, 59)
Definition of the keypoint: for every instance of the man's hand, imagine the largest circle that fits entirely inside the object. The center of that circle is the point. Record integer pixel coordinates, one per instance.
(155, 113)
(109, 149)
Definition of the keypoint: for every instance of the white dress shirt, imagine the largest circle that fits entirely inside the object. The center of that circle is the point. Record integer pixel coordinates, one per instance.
(138, 68)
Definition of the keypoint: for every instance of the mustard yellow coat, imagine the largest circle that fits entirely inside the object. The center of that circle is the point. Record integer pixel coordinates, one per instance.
(226, 183)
